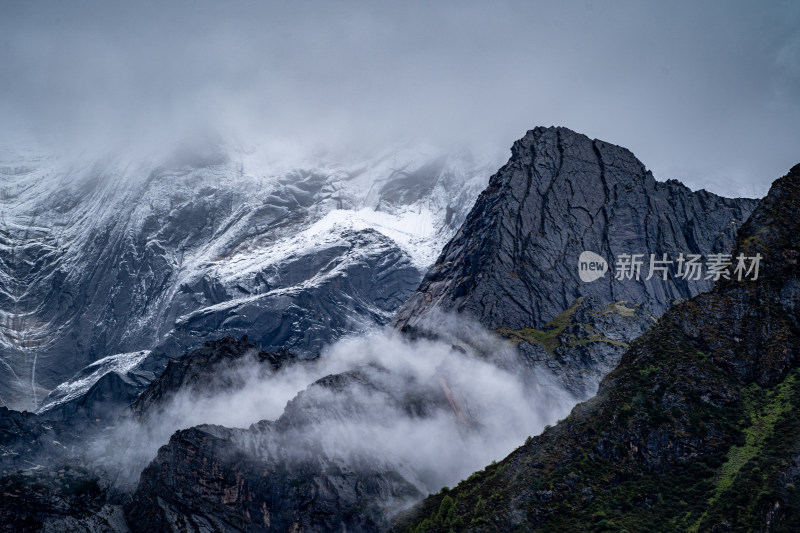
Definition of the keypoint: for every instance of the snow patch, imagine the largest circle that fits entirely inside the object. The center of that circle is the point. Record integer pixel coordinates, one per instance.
(121, 363)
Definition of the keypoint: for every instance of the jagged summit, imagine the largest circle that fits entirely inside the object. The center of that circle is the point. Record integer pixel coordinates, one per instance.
(559, 194)
(513, 265)
(613, 156)
(773, 227)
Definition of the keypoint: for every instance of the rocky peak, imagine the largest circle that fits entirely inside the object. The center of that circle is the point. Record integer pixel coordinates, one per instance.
(513, 265)
(559, 144)
(514, 261)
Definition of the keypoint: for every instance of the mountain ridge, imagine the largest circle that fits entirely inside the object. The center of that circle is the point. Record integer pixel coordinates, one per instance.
(115, 256)
(302, 469)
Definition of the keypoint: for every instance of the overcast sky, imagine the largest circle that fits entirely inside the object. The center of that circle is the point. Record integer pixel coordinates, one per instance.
(706, 92)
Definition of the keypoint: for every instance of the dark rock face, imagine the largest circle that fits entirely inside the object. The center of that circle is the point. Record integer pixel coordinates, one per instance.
(513, 265)
(28, 440)
(40, 501)
(61, 469)
(44, 483)
(697, 429)
(220, 486)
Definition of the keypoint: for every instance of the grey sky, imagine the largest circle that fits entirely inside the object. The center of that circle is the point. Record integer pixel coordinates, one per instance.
(706, 92)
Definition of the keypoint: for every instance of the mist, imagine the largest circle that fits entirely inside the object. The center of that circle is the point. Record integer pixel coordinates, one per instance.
(707, 93)
(430, 410)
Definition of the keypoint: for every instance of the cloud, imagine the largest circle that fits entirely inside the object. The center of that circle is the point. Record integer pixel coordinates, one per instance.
(423, 408)
(698, 92)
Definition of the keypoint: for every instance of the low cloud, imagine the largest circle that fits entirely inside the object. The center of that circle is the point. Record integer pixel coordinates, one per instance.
(427, 409)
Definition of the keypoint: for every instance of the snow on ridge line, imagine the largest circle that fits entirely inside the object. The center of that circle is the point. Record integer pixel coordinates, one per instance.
(55, 204)
(234, 303)
(413, 232)
(121, 363)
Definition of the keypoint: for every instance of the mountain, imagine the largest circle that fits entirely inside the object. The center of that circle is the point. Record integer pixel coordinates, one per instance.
(377, 421)
(697, 429)
(207, 370)
(253, 467)
(104, 260)
(513, 264)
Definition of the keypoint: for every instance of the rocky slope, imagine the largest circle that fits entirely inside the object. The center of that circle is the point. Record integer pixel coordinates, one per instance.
(208, 370)
(28, 441)
(513, 265)
(44, 480)
(697, 429)
(114, 257)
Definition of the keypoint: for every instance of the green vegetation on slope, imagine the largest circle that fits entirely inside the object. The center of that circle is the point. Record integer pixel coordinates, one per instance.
(553, 336)
(587, 492)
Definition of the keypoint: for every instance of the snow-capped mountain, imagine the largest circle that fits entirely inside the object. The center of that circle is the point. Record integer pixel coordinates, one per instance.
(112, 257)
